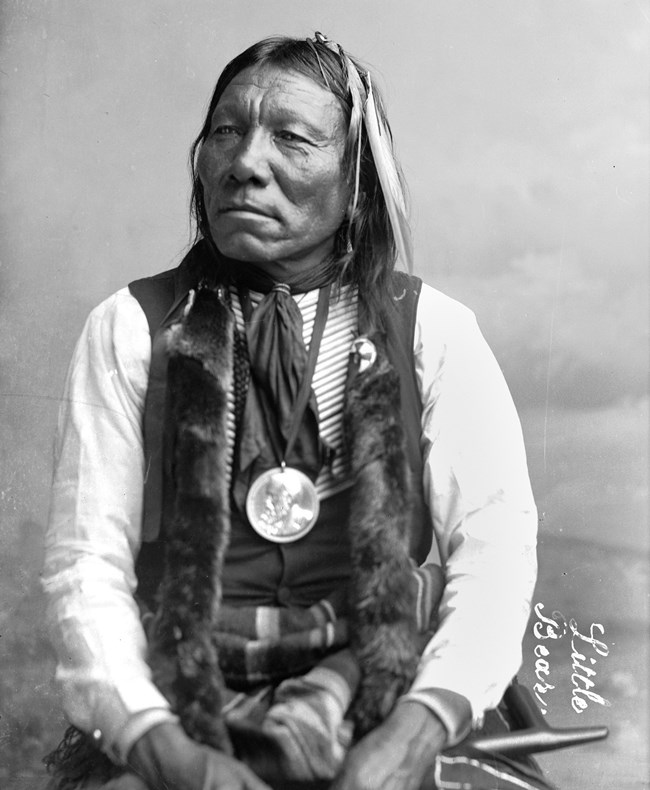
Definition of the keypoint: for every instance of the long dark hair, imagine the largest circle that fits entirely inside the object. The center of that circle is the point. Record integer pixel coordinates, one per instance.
(370, 265)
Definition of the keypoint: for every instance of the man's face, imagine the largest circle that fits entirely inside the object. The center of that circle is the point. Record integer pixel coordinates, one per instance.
(271, 168)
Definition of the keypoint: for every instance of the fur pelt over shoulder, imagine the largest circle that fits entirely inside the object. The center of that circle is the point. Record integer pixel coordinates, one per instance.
(182, 654)
(383, 632)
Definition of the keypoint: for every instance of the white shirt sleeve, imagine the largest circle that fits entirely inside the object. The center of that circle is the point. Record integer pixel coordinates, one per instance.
(485, 521)
(94, 528)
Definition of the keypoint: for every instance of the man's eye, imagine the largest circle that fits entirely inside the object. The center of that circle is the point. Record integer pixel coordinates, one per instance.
(225, 129)
(291, 137)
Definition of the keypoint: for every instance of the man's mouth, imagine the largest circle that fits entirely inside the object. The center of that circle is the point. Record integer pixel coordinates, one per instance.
(245, 209)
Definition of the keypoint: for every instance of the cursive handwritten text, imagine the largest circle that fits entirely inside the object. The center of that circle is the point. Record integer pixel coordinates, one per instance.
(546, 630)
(581, 694)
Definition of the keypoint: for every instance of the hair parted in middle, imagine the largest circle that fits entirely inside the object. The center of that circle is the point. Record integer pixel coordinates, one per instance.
(368, 241)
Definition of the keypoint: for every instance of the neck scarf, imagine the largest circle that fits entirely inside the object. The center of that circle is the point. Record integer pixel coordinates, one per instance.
(280, 420)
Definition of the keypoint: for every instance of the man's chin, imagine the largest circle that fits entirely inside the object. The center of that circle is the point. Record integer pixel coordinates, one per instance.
(248, 248)
(279, 259)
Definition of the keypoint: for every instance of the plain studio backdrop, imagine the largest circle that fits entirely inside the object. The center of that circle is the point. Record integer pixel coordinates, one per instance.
(523, 131)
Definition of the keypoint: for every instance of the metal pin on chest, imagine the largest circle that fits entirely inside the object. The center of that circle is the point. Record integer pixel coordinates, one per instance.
(364, 352)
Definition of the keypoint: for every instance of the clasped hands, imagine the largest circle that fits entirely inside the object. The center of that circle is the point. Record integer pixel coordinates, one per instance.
(397, 755)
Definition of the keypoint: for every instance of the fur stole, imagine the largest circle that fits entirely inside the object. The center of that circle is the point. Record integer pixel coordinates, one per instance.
(382, 625)
(182, 655)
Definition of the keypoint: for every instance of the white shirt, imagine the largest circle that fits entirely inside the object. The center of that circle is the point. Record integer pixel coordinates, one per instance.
(475, 482)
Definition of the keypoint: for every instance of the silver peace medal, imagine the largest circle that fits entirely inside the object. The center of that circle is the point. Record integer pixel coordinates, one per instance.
(282, 504)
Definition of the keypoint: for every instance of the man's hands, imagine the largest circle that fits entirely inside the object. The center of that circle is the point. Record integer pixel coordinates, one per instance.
(398, 754)
(166, 759)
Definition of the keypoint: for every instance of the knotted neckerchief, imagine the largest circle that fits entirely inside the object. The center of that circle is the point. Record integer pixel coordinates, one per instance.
(276, 427)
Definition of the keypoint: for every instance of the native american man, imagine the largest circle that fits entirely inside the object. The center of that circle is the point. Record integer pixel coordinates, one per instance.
(292, 540)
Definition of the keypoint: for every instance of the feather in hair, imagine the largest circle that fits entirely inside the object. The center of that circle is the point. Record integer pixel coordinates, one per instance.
(381, 147)
(356, 88)
(380, 143)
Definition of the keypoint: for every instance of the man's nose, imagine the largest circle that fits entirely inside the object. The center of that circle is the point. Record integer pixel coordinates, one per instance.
(251, 158)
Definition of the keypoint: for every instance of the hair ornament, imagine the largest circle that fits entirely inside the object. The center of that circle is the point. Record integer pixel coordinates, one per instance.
(312, 44)
(364, 111)
(382, 152)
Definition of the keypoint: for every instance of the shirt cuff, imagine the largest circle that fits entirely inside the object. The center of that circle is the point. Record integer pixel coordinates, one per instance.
(453, 710)
(139, 724)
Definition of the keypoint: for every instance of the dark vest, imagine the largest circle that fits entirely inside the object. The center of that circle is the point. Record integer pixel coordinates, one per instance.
(256, 571)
